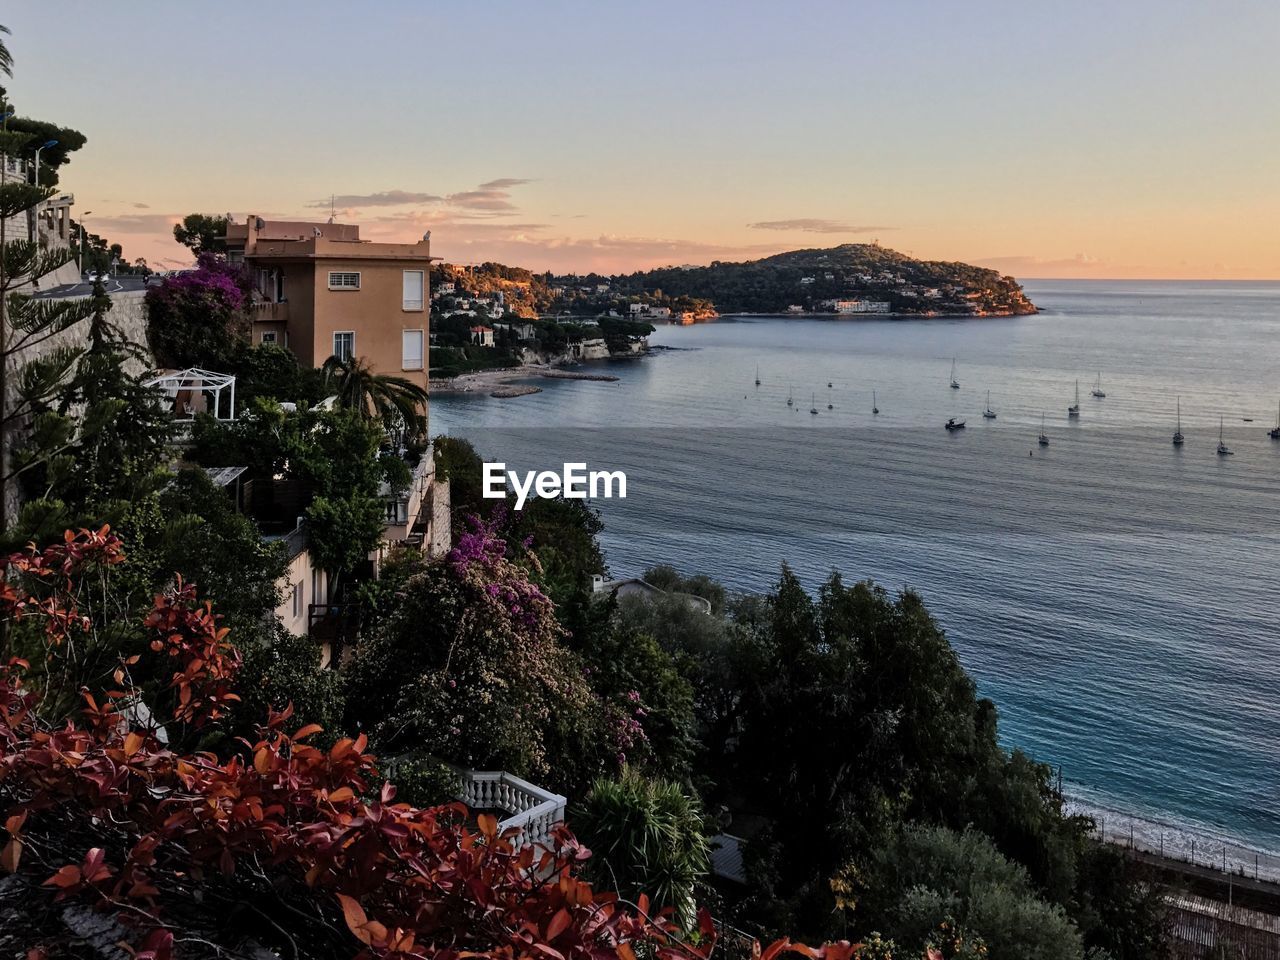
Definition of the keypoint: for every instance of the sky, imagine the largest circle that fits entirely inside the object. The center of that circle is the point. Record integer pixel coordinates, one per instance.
(1132, 138)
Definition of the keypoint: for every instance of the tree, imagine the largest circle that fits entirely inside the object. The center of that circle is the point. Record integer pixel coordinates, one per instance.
(469, 668)
(333, 458)
(27, 326)
(646, 837)
(931, 876)
(398, 403)
(198, 318)
(65, 141)
(6, 58)
(270, 371)
(202, 233)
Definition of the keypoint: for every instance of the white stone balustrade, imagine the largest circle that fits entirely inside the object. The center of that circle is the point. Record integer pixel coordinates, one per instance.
(534, 810)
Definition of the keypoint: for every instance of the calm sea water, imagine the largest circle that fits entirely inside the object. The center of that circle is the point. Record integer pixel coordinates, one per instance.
(1115, 596)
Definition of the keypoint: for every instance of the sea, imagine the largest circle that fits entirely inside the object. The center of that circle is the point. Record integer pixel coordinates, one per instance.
(1115, 595)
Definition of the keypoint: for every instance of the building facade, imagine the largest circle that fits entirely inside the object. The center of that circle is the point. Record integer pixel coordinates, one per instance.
(321, 291)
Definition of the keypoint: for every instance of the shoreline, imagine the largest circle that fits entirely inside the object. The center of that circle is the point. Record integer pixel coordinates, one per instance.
(504, 382)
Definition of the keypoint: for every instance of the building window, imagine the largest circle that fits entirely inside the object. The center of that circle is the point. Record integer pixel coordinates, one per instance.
(268, 336)
(297, 599)
(344, 345)
(411, 350)
(344, 281)
(414, 281)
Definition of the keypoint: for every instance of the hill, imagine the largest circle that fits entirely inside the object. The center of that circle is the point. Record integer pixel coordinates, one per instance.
(810, 281)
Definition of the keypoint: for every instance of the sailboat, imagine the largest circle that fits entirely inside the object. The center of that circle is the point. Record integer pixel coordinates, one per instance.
(1097, 387)
(757, 374)
(790, 401)
(1274, 432)
(955, 384)
(1043, 439)
(874, 408)
(988, 414)
(1223, 449)
(1074, 409)
(814, 404)
(1178, 438)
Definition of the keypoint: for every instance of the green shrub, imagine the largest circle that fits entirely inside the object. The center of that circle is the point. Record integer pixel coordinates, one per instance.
(647, 836)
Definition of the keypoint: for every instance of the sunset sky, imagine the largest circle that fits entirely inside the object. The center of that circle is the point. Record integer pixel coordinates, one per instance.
(1131, 138)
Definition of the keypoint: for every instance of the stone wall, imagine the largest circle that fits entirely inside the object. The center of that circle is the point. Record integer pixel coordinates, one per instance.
(440, 537)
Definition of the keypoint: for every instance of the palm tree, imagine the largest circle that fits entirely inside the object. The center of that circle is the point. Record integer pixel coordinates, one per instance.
(399, 403)
(6, 58)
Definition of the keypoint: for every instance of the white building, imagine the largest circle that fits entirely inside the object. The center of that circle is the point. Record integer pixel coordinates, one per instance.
(857, 306)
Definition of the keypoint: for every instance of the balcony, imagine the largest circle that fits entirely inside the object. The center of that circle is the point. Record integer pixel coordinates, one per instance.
(266, 311)
(335, 626)
(400, 513)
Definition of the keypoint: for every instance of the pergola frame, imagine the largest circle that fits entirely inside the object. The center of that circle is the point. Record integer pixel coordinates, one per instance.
(197, 381)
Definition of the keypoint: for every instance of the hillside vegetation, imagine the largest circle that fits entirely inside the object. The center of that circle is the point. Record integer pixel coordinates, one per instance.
(806, 278)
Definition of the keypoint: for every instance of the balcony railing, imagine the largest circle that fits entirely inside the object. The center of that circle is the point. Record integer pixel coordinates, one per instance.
(266, 311)
(400, 513)
(530, 808)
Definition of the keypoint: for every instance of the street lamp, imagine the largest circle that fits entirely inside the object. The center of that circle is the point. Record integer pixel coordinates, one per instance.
(44, 146)
(80, 265)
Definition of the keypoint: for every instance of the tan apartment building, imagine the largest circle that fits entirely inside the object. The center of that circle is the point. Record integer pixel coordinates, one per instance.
(321, 291)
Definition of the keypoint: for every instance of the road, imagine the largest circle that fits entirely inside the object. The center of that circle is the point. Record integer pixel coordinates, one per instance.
(121, 284)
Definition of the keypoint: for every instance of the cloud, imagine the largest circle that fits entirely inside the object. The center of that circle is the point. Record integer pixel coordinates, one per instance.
(489, 199)
(142, 206)
(814, 225)
(505, 183)
(388, 198)
(1016, 264)
(461, 239)
(133, 223)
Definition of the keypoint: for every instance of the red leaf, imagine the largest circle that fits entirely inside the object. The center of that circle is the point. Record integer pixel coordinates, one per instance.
(558, 923)
(354, 914)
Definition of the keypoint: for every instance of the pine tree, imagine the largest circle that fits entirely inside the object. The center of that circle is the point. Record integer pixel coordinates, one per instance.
(32, 369)
(100, 444)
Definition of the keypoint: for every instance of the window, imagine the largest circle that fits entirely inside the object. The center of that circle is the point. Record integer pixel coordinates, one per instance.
(268, 336)
(344, 345)
(344, 281)
(297, 599)
(317, 586)
(414, 281)
(411, 350)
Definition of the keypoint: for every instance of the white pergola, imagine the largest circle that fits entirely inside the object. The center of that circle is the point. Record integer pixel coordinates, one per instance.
(195, 391)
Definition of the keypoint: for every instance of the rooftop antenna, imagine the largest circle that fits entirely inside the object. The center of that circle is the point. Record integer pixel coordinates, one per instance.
(332, 212)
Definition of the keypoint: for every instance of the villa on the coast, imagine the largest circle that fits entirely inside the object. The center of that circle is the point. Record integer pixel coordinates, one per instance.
(321, 291)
